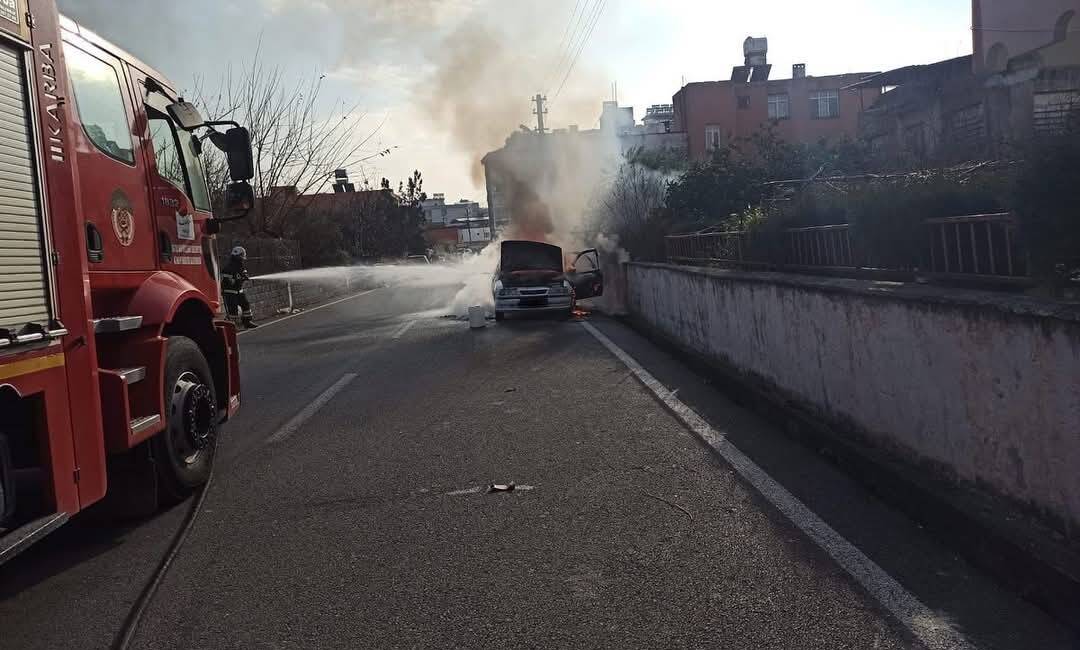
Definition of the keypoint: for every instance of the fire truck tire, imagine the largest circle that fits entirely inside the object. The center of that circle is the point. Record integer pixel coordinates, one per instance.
(184, 450)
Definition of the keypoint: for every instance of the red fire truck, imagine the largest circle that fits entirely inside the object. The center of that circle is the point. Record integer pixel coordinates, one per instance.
(117, 365)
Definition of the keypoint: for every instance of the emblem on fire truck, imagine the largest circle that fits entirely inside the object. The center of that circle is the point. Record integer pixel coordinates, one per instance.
(124, 225)
(123, 221)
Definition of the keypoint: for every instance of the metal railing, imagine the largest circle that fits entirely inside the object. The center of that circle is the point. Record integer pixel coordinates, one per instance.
(972, 246)
(820, 246)
(730, 247)
(976, 245)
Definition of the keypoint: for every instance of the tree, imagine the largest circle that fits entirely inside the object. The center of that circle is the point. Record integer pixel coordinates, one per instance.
(632, 209)
(783, 160)
(710, 192)
(411, 197)
(373, 223)
(1045, 195)
(297, 141)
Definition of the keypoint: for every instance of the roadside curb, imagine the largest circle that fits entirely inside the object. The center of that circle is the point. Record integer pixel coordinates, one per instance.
(1015, 550)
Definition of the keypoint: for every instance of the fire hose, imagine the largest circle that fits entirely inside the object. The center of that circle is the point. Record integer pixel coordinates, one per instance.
(130, 628)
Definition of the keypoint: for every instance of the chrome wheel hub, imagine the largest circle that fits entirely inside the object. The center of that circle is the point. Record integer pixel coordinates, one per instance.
(192, 417)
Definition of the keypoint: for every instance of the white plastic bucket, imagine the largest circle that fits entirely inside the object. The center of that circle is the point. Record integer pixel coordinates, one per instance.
(476, 317)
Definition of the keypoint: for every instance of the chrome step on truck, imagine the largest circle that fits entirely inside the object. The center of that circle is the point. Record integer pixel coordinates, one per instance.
(15, 541)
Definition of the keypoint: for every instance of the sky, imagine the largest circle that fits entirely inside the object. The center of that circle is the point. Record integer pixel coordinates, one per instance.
(441, 82)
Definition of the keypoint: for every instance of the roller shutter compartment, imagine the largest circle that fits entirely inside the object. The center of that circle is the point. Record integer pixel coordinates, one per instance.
(23, 285)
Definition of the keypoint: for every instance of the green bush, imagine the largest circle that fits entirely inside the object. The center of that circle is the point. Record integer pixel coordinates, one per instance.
(887, 213)
(1046, 200)
(887, 218)
(710, 192)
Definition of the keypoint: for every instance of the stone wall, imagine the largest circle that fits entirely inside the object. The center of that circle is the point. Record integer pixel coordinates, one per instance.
(269, 297)
(983, 386)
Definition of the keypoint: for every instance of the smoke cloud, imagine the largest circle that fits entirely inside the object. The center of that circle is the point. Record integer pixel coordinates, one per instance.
(464, 69)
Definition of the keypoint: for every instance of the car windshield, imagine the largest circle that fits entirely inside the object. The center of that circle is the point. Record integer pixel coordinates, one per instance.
(747, 325)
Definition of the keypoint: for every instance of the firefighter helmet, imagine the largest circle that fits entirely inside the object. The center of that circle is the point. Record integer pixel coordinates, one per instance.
(239, 251)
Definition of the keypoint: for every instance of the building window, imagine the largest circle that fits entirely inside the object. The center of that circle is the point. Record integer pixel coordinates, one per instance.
(824, 103)
(1056, 112)
(100, 104)
(968, 125)
(744, 101)
(779, 107)
(713, 137)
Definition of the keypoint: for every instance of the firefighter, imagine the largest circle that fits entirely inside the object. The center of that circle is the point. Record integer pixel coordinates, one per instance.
(233, 277)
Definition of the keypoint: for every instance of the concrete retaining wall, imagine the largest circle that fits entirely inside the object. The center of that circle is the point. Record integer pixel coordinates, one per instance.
(984, 386)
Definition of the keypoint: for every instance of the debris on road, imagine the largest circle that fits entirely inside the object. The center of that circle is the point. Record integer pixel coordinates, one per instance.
(491, 487)
(510, 390)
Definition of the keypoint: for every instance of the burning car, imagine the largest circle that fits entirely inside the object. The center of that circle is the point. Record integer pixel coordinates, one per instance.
(533, 277)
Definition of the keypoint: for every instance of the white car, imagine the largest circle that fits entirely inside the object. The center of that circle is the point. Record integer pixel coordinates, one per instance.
(531, 277)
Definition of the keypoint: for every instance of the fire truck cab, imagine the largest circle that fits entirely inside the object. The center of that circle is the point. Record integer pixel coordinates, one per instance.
(117, 366)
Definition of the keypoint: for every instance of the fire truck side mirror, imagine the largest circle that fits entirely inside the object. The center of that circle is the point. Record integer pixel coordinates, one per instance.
(239, 200)
(236, 143)
(186, 115)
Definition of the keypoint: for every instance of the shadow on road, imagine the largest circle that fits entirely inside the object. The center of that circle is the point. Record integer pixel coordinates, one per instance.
(87, 537)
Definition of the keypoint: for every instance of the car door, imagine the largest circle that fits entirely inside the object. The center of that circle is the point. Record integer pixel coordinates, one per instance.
(112, 178)
(179, 199)
(586, 276)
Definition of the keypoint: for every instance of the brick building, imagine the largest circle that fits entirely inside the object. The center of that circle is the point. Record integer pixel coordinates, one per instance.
(804, 109)
(360, 223)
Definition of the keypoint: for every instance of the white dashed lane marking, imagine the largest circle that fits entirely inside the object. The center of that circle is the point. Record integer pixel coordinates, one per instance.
(399, 332)
(311, 409)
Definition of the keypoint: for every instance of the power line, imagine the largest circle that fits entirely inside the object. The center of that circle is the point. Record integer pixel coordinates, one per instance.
(601, 4)
(588, 9)
(577, 42)
(578, 46)
(571, 28)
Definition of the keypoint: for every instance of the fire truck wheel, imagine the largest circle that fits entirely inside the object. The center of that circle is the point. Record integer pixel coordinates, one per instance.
(184, 450)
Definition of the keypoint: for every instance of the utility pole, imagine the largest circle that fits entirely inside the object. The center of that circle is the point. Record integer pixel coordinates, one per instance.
(540, 111)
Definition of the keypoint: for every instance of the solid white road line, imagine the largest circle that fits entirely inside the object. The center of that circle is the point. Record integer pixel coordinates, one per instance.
(928, 627)
(306, 311)
(311, 409)
(399, 332)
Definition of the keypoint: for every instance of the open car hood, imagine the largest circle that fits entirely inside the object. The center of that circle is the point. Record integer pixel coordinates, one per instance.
(529, 262)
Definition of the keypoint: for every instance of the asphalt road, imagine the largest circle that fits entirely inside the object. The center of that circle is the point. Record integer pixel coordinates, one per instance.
(349, 509)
